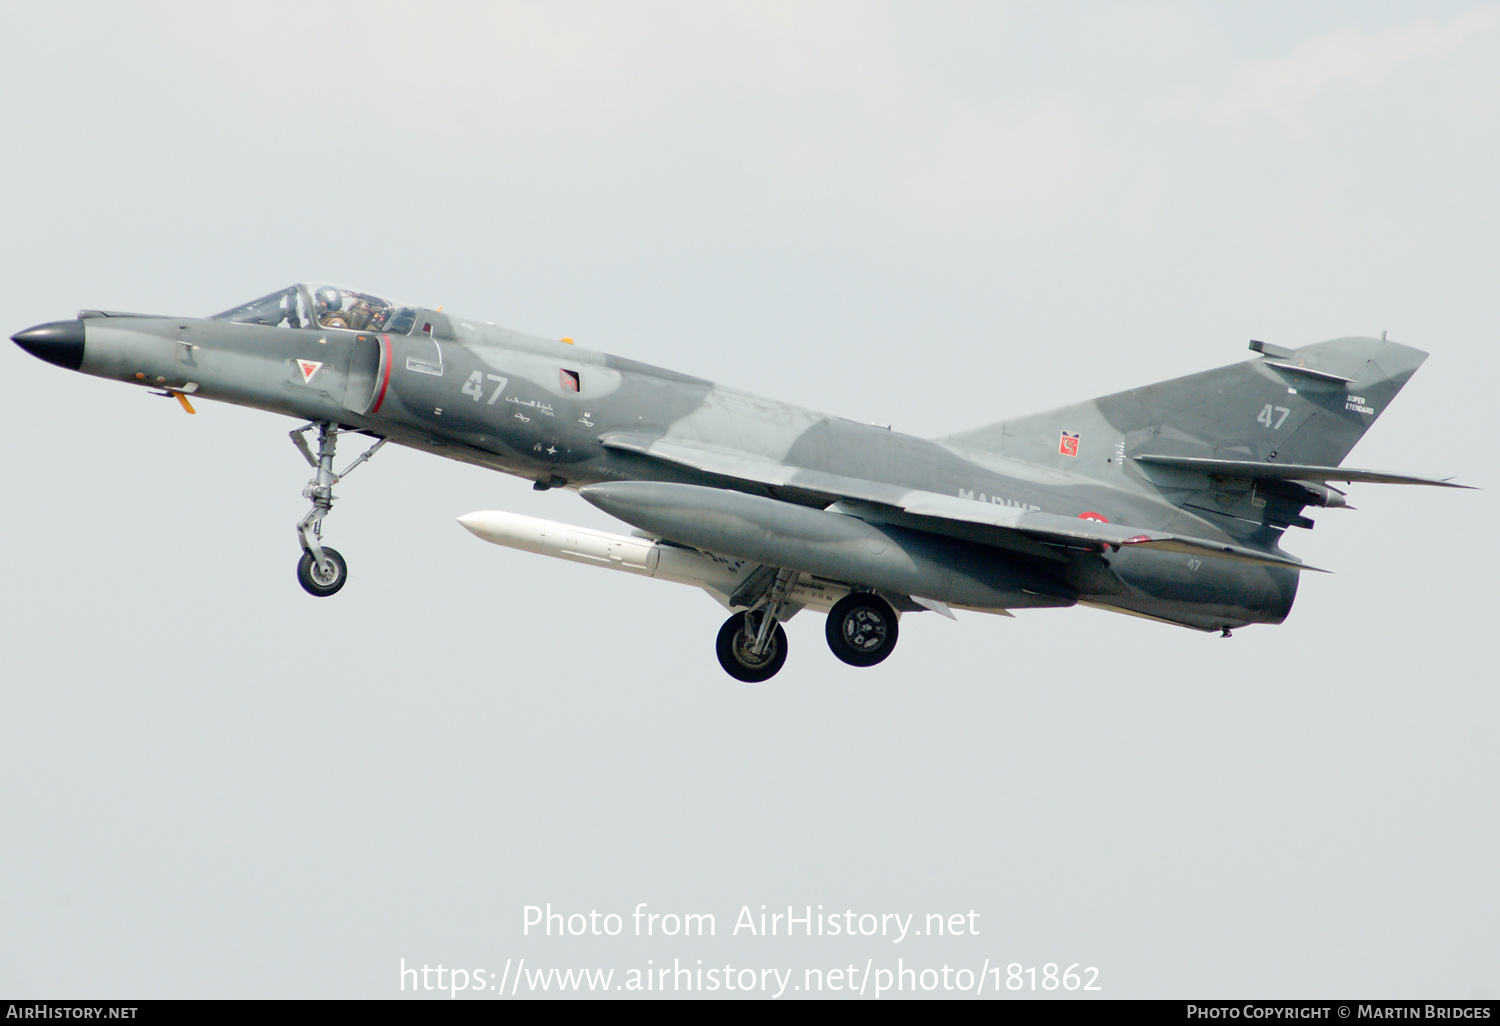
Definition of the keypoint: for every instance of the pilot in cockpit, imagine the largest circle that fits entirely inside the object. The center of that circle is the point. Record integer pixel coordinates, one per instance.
(329, 305)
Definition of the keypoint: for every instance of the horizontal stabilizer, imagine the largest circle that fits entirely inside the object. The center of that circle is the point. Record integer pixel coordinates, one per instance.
(1255, 471)
(1307, 372)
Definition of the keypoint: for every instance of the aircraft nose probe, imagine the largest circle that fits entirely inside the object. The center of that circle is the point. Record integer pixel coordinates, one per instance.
(59, 342)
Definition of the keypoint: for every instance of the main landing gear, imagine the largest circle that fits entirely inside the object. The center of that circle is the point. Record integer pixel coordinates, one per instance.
(322, 571)
(861, 628)
(752, 645)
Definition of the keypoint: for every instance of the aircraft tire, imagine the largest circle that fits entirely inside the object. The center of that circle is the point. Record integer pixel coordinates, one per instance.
(317, 582)
(736, 659)
(861, 629)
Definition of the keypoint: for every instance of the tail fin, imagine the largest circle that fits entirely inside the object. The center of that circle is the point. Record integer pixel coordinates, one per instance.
(1307, 405)
(1287, 406)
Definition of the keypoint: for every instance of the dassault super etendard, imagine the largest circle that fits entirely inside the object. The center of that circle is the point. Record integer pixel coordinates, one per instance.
(1166, 501)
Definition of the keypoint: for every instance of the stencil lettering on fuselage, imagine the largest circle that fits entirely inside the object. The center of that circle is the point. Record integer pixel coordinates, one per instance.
(998, 500)
(420, 362)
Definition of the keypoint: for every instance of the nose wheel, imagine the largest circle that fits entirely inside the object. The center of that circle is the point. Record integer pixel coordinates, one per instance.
(322, 571)
(323, 578)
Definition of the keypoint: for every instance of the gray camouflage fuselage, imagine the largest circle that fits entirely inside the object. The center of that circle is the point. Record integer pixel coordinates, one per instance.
(565, 416)
(501, 399)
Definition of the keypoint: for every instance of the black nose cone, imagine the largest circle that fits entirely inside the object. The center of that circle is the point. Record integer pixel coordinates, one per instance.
(60, 342)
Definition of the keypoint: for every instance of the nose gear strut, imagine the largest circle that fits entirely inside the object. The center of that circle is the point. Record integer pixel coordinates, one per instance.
(322, 571)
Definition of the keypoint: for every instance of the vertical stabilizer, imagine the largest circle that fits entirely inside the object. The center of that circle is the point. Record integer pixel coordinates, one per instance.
(1304, 406)
(1308, 405)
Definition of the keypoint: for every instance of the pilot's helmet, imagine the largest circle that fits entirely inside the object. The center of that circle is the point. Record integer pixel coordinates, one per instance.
(328, 300)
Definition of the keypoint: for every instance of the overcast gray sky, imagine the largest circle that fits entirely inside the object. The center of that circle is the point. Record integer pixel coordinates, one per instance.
(934, 216)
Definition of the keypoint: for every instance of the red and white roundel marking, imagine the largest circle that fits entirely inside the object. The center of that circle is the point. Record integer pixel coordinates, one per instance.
(1091, 515)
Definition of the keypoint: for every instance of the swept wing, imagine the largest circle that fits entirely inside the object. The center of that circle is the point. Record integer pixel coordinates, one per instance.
(1047, 529)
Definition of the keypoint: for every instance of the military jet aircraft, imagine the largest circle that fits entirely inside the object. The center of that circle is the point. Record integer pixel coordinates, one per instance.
(1166, 501)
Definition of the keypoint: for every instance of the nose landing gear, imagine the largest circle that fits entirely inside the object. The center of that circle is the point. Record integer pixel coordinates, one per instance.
(325, 577)
(322, 571)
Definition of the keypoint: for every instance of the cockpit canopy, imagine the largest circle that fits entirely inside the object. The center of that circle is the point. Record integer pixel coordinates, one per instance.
(313, 305)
